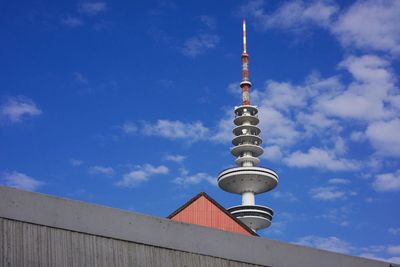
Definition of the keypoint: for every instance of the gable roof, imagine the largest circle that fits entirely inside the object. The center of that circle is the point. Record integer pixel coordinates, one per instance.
(232, 219)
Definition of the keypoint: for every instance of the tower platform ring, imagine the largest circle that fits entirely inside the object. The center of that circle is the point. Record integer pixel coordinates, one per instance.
(243, 159)
(243, 179)
(254, 216)
(243, 83)
(240, 110)
(254, 149)
(248, 138)
(254, 222)
(260, 208)
(252, 129)
(239, 120)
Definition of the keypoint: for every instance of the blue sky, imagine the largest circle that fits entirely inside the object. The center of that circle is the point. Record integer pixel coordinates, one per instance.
(129, 105)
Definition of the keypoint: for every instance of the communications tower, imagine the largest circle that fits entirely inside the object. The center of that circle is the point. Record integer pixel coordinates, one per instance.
(247, 179)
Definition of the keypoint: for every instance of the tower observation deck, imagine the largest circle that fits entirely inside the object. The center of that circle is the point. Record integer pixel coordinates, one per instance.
(247, 179)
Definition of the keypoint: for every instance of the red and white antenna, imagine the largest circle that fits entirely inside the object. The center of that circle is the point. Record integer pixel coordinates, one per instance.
(245, 84)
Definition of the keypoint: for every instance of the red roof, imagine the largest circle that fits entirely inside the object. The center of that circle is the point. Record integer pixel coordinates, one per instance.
(205, 211)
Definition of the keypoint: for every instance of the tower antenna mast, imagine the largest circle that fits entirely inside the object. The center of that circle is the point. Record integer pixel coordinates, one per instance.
(245, 84)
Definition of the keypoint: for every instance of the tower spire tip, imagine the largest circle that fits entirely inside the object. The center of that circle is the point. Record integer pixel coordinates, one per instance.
(244, 36)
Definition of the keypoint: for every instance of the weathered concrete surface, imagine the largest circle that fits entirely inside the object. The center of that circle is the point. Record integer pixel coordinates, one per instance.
(132, 227)
(26, 244)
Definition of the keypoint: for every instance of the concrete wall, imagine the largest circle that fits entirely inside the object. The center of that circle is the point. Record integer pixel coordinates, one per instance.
(26, 244)
(40, 230)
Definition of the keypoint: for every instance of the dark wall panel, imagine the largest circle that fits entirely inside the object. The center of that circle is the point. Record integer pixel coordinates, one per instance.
(26, 244)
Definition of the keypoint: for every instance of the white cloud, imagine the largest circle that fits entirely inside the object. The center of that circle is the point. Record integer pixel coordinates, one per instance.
(129, 128)
(375, 162)
(223, 132)
(92, 8)
(387, 182)
(183, 171)
(234, 88)
(175, 158)
(358, 136)
(272, 153)
(17, 108)
(315, 123)
(71, 21)
(319, 158)
(394, 231)
(20, 181)
(76, 162)
(141, 174)
(337, 216)
(373, 251)
(199, 44)
(292, 15)
(331, 243)
(365, 98)
(369, 68)
(286, 196)
(339, 181)
(278, 129)
(284, 96)
(107, 171)
(176, 130)
(379, 32)
(195, 179)
(394, 250)
(327, 193)
(340, 147)
(287, 113)
(319, 104)
(191, 131)
(384, 136)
